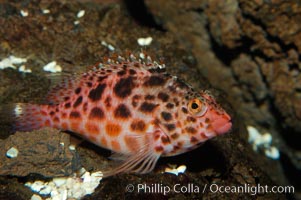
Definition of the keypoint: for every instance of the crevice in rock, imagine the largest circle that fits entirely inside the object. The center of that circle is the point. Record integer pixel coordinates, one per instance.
(293, 66)
(140, 13)
(227, 55)
(271, 38)
(291, 171)
(211, 158)
(291, 138)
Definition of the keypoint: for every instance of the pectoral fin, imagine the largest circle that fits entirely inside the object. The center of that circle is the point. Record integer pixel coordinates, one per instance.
(142, 160)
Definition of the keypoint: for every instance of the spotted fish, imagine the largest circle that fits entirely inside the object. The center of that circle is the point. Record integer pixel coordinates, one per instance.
(134, 108)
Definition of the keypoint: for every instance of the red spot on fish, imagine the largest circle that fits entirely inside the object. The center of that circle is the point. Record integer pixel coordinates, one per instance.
(175, 136)
(74, 125)
(113, 130)
(159, 149)
(64, 115)
(92, 128)
(104, 142)
(64, 126)
(44, 113)
(165, 140)
(203, 135)
(115, 145)
(193, 140)
(56, 120)
(138, 126)
(47, 123)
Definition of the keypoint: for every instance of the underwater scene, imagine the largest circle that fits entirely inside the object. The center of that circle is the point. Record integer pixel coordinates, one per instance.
(150, 99)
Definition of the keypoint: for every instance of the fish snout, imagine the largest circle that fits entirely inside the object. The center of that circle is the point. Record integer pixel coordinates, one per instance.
(221, 123)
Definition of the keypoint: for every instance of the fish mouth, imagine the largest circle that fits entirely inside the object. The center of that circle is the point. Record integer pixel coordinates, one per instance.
(222, 124)
(223, 129)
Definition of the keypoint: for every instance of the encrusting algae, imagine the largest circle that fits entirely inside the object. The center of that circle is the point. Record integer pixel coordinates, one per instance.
(131, 107)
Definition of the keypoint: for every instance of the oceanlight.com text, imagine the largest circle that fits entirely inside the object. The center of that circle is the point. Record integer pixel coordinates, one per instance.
(212, 188)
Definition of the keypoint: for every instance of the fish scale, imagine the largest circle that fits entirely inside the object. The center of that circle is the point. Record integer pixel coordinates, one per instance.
(133, 108)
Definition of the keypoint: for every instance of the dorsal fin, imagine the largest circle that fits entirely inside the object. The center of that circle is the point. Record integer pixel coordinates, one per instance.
(63, 87)
(68, 83)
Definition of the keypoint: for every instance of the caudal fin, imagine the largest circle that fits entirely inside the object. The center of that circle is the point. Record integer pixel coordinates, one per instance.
(28, 117)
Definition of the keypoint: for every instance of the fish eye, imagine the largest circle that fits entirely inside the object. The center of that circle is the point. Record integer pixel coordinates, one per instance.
(194, 105)
(197, 107)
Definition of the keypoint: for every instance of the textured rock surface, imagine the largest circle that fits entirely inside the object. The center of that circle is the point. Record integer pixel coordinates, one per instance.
(247, 50)
(45, 152)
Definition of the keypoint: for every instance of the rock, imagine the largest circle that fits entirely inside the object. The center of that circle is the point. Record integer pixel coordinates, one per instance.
(40, 152)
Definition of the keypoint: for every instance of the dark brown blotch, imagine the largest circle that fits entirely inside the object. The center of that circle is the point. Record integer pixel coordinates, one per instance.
(78, 101)
(89, 84)
(172, 89)
(108, 101)
(138, 125)
(166, 116)
(191, 119)
(169, 106)
(191, 130)
(163, 96)
(101, 78)
(147, 107)
(136, 64)
(124, 87)
(180, 144)
(121, 73)
(170, 127)
(193, 140)
(154, 81)
(176, 148)
(175, 136)
(176, 101)
(132, 71)
(136, 96)
(184, 110)
(51, 113)
(135, 100)
(78, 90)
(125, 66)
(85, 107)
(122, 111)
(165, 140)
(159, 149)
(149, 97)
(96, 113)
(67, 105)
(134, 103)
(207, 120)
(95, 94)
(74, 115)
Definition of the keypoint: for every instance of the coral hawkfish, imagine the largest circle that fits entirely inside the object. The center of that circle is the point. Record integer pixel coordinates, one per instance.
(132, 107)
